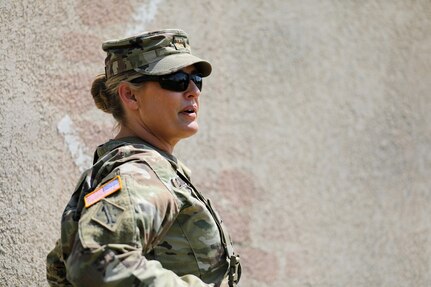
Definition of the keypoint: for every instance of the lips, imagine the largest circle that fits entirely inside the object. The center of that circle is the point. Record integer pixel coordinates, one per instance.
(191, 110)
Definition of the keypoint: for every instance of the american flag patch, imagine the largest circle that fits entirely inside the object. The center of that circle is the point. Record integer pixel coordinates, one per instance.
(108, 188)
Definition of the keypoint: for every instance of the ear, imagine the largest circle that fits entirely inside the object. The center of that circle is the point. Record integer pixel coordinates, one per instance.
(127, 97)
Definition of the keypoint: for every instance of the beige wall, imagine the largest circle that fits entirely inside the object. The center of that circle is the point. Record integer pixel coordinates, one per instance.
(315, 132)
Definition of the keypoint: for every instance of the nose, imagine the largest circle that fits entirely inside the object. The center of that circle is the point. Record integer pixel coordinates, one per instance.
(192, 90)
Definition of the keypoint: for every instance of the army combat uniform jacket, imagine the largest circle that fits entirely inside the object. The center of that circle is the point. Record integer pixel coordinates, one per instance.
(135, 219)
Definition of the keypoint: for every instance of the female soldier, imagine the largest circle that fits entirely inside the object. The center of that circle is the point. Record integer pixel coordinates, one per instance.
(135, 219)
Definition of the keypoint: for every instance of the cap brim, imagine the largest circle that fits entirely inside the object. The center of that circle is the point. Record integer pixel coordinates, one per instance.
(175, 62)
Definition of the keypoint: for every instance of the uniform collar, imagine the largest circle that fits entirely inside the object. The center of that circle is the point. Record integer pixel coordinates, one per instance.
(114, 143)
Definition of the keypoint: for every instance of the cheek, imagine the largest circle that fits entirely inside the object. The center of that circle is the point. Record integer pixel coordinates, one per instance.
(160, 106)
(169, 102)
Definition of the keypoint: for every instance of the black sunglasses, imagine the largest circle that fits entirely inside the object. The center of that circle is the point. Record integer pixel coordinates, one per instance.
(177, 82)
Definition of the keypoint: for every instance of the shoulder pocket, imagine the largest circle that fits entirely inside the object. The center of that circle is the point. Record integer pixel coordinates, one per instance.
(109, 221)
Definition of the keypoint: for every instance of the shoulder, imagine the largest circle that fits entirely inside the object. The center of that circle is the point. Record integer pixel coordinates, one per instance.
(110, 195)
(129, 188)
(133, 167)
(142, 171)
(129, 156)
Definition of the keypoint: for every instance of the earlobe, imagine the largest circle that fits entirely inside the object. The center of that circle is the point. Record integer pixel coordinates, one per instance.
(127, 97)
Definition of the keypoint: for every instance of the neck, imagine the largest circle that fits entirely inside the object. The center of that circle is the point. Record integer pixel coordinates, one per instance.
(147, 136)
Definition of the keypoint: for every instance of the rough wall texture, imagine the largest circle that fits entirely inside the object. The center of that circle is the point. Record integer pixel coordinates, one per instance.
(314, 142)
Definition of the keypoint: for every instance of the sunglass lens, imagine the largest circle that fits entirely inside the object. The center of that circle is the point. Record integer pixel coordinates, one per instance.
(177, 82)
(197, 79)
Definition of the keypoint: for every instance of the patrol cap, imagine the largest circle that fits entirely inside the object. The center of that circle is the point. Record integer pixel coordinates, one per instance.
(152, 53)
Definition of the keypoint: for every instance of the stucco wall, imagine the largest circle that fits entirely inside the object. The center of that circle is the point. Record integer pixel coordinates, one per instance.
(314, 141)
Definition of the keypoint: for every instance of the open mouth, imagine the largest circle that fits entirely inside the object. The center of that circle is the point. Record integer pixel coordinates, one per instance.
(191, 110)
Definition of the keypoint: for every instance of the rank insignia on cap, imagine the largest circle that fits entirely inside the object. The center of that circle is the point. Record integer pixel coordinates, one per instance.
(103, 191)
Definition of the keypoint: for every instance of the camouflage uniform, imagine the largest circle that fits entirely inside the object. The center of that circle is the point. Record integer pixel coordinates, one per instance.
(156, 230)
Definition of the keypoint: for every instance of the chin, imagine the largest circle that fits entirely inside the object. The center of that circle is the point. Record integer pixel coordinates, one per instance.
(190, 130)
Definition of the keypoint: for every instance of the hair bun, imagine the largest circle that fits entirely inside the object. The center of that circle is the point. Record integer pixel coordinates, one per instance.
(100, 94)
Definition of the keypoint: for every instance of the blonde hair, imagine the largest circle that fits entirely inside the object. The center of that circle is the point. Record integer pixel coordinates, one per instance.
(105, 93)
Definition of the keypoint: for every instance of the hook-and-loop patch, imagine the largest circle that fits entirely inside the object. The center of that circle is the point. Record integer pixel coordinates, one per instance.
(103, 191)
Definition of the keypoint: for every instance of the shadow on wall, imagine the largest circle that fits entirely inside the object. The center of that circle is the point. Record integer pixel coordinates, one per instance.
(236, 186)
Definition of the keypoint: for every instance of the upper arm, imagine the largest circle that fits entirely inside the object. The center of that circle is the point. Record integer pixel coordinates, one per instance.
(116, 232)
(138, 214)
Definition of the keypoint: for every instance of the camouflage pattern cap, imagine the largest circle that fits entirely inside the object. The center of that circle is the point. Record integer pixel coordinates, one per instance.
(152, 53)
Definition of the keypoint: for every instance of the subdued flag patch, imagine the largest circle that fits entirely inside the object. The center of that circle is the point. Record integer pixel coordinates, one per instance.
(108, 188)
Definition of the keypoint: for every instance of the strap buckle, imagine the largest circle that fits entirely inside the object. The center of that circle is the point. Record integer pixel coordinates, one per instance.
(234, 270)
